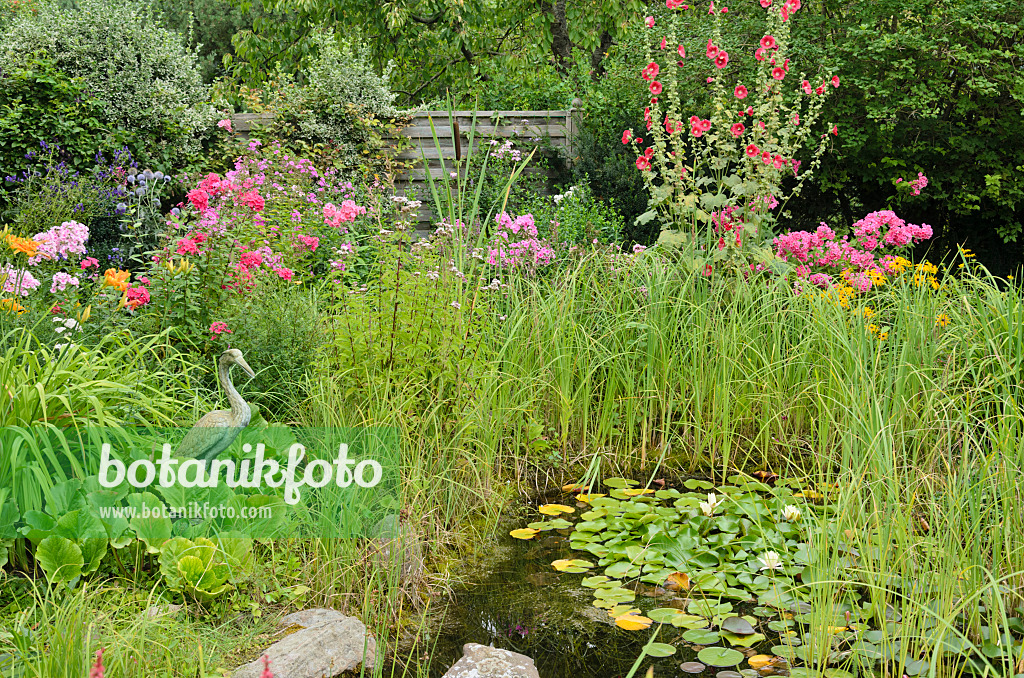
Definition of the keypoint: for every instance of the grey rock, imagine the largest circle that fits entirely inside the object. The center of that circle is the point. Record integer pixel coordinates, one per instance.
(313, 617)
(324, 644)
(483, 661)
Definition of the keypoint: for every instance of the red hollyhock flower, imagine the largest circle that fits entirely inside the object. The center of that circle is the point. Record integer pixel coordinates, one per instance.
(807, 87)
(712, 51)
(626, 136)
(759, 54)
(835, 81)
(643, 164)
(778, 73)
(766, 157)
(738, 129)
(740, 92)
(655, 88)
(722, 59)
(768, 42)
(705, 125)
(682, 51)
(753, 150)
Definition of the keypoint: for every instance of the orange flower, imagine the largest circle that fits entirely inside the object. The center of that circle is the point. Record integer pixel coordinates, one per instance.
(116, 279)
(26, 245)
(11, 306)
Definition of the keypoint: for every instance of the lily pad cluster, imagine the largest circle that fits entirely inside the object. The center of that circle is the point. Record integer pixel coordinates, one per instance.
(747, 543)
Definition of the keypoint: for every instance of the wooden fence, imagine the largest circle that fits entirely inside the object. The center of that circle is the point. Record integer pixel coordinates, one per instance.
(528, 127)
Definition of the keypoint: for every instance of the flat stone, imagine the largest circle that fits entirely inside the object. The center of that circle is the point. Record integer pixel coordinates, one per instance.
(313, 617)
(483, 661)
(326, 644)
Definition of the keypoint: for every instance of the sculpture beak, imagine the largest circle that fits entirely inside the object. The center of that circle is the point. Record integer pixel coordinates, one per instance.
(245, 366)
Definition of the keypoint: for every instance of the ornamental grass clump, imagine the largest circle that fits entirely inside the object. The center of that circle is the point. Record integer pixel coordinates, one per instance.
(723, 175)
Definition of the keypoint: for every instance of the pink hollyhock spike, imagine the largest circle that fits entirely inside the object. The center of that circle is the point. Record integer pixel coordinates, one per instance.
(738, 129)
(712, 50)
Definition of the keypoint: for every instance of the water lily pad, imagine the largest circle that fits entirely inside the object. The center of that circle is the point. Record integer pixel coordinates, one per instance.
(622, 609)
(635, 492)
(738, 626)
(587, 498)
(692, 667)
(759, 661)
(633, 622)
(720, 656)
(524, 533)
(555, 509)
(574, 566)
(677, 581)
(665, 615)
(709, 608)
(595, 581)
(615, 595)
(779, 625)
(690, 621)
(620, 482)
(728, 674)
(743, 641)
(659, 649)
(702, 637)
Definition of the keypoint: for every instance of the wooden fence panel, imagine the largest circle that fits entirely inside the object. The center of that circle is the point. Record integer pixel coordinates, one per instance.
(532, 127)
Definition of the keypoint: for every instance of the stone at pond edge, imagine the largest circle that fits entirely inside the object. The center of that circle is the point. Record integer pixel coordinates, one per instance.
(323, 644)
(483, 661)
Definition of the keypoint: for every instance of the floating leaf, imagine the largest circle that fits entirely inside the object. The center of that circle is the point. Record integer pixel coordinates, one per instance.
(524, 533)
(690, 621)
(633, 622)
(659, 649)
(677, 581)
(587, 498)
(620, 483)
(759, 661)
(702, 637)
(635, 492)
(737, 625)
(574, 487)
(574, 566)
(743, 641)
(720, 656)
(555, 509)
(620, 610)
(692, 667)
(595, 582)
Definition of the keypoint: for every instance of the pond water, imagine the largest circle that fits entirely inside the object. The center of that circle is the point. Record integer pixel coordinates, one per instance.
(522, 604)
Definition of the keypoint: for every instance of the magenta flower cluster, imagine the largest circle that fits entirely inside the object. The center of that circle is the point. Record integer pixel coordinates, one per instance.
(516, 244)
(819, 252)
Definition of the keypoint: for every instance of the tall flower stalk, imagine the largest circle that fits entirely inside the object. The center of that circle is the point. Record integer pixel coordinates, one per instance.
(724, 175)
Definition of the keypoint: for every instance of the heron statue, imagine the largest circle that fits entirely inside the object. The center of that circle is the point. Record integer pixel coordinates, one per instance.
(215, 432)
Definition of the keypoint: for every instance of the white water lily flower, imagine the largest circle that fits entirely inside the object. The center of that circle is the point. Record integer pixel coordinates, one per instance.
(791, 513)
(709, 506)
(771, 561)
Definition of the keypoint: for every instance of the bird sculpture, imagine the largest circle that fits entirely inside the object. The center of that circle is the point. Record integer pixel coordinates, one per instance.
(215, 432)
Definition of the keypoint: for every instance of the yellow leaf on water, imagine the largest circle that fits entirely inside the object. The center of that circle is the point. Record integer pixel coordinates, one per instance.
(574, 487)
(524, 533)
(809, 494)
(633, 622)
(836, 629)
(634, 492)
(622, 609)
(650, 672)
(555, 509)
(678, 581)
(587, 498)
(759, 661)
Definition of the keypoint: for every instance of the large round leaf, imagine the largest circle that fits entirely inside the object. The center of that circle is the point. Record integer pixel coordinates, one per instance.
(702, 637)
(720, 656)
(659, 649)
(60, 558)
(737, 625)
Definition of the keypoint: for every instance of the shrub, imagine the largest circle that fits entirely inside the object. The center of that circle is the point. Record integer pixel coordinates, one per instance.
(38, 104)
(208, 26)
(141, 75)
(344, 107)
